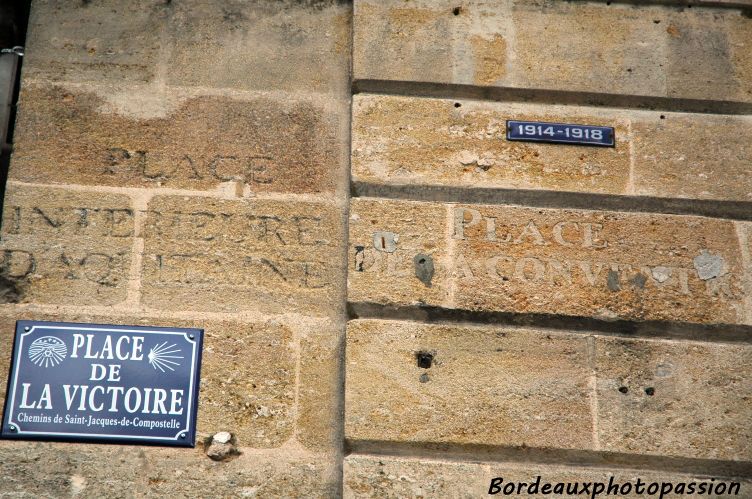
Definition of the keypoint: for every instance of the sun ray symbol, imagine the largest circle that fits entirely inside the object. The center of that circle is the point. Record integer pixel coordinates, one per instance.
(163, 357)
(47, 351)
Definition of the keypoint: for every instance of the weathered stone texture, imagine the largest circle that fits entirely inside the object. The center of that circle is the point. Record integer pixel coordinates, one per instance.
(287, 45)
(248, 373)
(407, 140)
(320, 387)
(693, 156)
(251, 254)
(589, 47)
(674, 398)
(534, 390)
(69, 135)
(123, 47)
(66, 247)
(95, 471)
(526, 260)
(386, 476)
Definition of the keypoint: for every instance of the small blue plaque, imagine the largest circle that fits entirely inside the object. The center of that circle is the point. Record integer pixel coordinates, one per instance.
(560, 133)
(103, 383)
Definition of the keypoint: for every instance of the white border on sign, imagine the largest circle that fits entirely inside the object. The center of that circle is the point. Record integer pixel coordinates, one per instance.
(134, 437)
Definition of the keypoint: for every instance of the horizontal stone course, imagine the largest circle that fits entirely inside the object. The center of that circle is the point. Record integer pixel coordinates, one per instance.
(388, 476)
(607, 265)
(87, 136)
(288, 45)
(421, 141)
(487, 386)
(482, 386)
(581, 47)
(211, 254)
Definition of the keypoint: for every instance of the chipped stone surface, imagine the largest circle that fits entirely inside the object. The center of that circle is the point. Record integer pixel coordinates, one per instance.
(221, 447)
(677, 398)
(285, 45)
(418, 141)
(66, 247)
(591, 47)
(534, 391)
(263, 143)
(220, 255)
(528, 260)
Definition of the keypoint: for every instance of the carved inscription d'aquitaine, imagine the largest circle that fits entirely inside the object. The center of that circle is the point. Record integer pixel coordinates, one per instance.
(573, 262)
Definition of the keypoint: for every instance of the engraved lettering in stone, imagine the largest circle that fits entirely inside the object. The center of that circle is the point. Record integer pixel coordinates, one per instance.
(110, 222)
(219, 166)
(564, 233)
(94, 267)
(531, 231)
(460, 223)
(529, 269)
(591, 237)
(18, 263)
(309, 231)
(559, 237)
(118, 159)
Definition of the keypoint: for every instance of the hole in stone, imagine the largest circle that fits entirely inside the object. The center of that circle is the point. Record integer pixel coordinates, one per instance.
(657, 21)
(623, 389)
(650, 391)
(457, 104)
(663, 117)
(383, 242)
(457, 11)
(422, 261)
(425, 359)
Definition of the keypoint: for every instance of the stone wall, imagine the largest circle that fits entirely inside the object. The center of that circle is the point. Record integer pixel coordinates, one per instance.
(398, 302)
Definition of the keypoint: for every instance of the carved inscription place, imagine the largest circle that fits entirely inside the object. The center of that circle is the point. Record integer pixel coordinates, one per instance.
(559, 261)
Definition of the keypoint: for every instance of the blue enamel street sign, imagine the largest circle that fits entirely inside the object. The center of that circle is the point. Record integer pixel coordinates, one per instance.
(535, 131)
(100, 383)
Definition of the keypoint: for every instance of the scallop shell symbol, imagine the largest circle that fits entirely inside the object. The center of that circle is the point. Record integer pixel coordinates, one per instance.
(163, 357)
(47, 351)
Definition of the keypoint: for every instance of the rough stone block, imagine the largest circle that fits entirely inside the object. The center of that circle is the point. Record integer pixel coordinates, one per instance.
(408, 382)
(250, 396)
(407, 140)
(384, 476)
(68, 135)
(588, 47)
(692, 156)
(65, 247)
(387, 476)
(286, 45)
(93, 471)
(104, 40)
(674, 398)
(526, 260)
(211, 254)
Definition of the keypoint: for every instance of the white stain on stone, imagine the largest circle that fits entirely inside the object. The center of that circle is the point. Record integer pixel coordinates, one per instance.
(661, 274)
